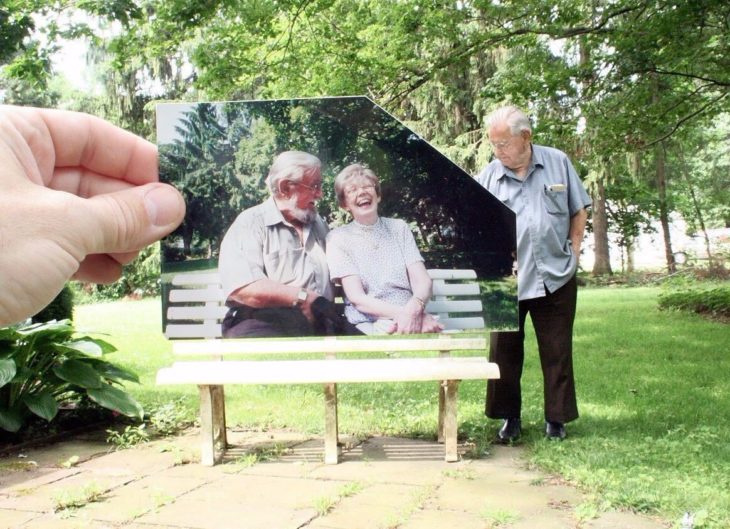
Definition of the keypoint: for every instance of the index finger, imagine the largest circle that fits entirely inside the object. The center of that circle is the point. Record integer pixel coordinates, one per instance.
(75, 139)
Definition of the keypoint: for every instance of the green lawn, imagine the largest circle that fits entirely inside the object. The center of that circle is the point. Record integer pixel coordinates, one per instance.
(653, 390)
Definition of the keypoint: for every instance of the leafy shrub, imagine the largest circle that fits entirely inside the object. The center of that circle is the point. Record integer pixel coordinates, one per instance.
(44, 364)
(131, 436)
(61, 308)
(170, 418)
(712, 301)
(140, 278)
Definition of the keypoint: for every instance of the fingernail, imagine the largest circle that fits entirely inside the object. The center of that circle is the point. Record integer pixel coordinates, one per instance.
(162, 204)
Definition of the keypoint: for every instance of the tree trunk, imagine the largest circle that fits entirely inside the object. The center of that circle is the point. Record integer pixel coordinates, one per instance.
(661, 184)
(660, 177)
(602, 258)
(630, 250)
(696, 207)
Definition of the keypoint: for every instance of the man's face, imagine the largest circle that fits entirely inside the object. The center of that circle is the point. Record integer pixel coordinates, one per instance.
(512, 151)
(302, 204)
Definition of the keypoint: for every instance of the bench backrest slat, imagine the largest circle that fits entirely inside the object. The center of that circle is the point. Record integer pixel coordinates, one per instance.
(196, 295)
(193, 330)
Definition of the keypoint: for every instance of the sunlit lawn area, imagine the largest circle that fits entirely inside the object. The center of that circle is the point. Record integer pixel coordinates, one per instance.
(653, 388)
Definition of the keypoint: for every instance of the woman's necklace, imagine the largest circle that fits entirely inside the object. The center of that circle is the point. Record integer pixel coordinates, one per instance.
(369, 233)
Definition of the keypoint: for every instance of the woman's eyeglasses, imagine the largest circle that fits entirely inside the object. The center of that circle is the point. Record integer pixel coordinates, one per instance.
(352, 191)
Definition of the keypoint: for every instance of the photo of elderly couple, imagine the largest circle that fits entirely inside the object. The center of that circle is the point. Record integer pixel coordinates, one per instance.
(321, 217)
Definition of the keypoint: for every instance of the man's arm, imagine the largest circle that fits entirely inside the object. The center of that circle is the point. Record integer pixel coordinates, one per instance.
(577, 229)
(268, 293)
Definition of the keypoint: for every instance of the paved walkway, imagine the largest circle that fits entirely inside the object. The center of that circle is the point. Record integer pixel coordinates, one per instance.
(275, 480)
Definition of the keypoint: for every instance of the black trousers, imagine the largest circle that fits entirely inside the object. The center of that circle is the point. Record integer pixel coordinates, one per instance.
(242, 321)
(552, 317)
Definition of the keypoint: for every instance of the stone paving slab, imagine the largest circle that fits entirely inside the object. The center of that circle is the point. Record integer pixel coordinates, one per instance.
(54, 456)
(277, 480)
(148, 495)
(46, 497)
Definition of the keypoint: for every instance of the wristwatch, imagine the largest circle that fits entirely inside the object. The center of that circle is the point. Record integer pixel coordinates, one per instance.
(300, 299)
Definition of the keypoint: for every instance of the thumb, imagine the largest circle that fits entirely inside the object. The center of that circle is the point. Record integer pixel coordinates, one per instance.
(131, 219)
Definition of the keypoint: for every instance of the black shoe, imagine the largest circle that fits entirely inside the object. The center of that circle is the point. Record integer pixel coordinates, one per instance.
(510, 431)
(555, 431)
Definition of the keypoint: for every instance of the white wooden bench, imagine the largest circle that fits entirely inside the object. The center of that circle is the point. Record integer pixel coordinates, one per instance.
(222, 366)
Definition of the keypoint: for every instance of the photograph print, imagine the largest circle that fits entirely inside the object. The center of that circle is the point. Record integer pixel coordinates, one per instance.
(325, 217)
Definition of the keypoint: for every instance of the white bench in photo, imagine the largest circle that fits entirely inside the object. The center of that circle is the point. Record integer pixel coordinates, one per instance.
(197, 306)
(221, 364)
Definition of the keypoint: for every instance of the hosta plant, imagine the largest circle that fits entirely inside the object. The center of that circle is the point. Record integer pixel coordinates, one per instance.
(43, 365)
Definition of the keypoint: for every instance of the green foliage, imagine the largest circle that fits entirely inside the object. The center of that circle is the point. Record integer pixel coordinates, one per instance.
(709, 301)
(131, 436)
(61, 308)
(43, 365)
(162, 421)
(75, 498)
(170, 418)
(140, 278)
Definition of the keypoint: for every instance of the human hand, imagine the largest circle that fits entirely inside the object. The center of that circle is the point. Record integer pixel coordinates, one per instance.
(409, 319)
(431, 324)
(79, 198)
(306, 306)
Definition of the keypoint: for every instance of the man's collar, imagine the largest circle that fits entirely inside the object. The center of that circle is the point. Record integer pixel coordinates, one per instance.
(538, 158)
(272, 215)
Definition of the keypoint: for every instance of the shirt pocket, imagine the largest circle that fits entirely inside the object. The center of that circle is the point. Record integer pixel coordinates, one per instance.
(285, 266)
(556, 200)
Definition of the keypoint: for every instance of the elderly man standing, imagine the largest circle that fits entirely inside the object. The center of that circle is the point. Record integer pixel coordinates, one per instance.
(272, 262)
(543, 189)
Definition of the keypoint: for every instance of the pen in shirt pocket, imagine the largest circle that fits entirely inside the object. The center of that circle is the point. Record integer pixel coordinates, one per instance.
(555, 188)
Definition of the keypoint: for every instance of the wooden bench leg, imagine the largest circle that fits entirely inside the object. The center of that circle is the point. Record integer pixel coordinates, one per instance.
(220, 438)
(450, 425)
(212, 424)
(331, 445)
(442, 392)
(207, 437)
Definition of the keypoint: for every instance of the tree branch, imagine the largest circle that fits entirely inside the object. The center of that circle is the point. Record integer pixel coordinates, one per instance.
(716, 82)
(686, 118)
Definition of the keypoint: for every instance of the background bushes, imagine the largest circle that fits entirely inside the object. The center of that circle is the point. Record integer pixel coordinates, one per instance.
(713, 302)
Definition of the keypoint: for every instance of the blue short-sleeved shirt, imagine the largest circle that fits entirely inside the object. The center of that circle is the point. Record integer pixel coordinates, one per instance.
(550, 194)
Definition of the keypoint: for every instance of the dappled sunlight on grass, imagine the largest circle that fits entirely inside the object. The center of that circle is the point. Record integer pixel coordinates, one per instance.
(653, 390)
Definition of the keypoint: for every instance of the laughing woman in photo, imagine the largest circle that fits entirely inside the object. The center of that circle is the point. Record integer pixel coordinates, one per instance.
(376, 260)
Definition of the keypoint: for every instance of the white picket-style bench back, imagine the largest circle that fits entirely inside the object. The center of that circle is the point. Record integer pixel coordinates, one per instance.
(197, 307)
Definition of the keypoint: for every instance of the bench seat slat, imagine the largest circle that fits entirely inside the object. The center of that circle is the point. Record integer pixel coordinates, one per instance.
(327, 371)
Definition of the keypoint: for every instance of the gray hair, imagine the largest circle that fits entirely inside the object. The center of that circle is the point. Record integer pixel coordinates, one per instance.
(351, 172)
(513, 117)
(291, 165)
